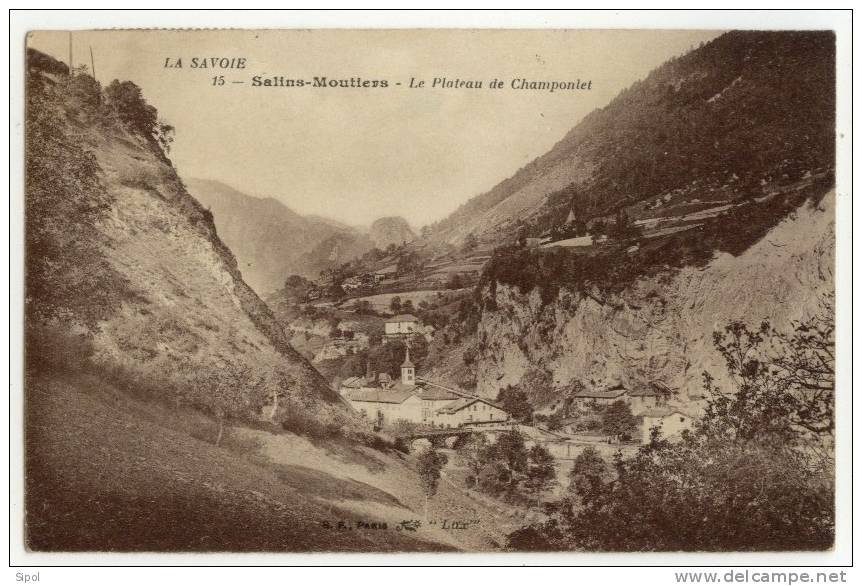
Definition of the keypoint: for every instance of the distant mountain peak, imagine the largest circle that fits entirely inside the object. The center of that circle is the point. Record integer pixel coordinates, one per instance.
(270, 240)
(390, 230)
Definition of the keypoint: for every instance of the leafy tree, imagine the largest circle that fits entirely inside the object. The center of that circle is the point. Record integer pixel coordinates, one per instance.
(618, 420)
(538, 383)
(515, 402)
(68, 277)
(541, 473)
(165, 135)
(580, 228)
(228, 391)
(624, 228)
(282, 383)
(470, 243)
(375, 338)
(335, 290)
(409, 262)
(84, 91)
(474, 453)
(521, 235)
(588, 475)
(455, 282)
(295, 290)
(510, 451)
(748, 477)
(395, 304)
(784, 381)
(430, 464)
(128, 100)
(494, 478)
(555, 420)
(389, 356)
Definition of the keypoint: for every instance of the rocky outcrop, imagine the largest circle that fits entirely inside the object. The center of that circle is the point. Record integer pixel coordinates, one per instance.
(390, 230)
(661, 328)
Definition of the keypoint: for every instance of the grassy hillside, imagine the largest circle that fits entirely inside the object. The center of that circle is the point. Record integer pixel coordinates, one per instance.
(747, 107)
(164, 407)
(108, 472)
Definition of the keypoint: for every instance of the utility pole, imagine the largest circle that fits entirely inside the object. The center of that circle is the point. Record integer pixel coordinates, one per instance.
(70, 53)
(92, 63)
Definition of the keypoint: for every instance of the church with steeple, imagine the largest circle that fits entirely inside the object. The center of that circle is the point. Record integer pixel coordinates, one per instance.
(381, 400)
(408, 371)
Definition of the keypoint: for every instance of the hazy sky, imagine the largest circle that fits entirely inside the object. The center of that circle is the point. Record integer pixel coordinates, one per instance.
(357, 154)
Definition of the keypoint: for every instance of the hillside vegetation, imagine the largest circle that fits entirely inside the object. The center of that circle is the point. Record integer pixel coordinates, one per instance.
(165, 408)
(121, 256)
(108, 472)
(746, 108)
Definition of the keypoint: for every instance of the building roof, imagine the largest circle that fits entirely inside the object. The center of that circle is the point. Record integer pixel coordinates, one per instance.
(463, 402)
(435, 394)
(396, 395)
(354, 382)
(606, 394)
(402, 317)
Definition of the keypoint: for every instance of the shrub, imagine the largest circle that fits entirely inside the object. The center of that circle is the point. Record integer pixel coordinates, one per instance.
(128, 100)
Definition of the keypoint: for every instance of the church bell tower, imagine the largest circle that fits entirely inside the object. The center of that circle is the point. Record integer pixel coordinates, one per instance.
(408, 371)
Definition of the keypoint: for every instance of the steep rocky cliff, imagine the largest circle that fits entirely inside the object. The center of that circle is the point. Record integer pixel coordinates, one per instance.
(660, 329)
(174, 317)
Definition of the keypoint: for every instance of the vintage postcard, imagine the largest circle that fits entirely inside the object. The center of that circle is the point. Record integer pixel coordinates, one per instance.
(430, 290)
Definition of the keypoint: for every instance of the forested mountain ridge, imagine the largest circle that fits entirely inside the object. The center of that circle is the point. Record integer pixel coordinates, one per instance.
(745, 108)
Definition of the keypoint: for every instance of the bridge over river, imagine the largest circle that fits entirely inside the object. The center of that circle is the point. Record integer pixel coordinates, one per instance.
(560, 446)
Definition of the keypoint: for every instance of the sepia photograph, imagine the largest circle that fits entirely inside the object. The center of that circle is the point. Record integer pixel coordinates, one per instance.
(458, 290)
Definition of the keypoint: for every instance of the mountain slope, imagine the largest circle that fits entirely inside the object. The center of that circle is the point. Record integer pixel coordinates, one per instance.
(269, 240)
(150, 479)
(746, 106)
(159, 296)
(149, 360)
(660, 328)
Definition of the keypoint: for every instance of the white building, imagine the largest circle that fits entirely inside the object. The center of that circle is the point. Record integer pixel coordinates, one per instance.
(401, 325)
(470, 411)
(417, 401)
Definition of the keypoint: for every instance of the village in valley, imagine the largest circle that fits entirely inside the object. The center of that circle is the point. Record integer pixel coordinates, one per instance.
(626, 344)
(392, 330)
(358, 324)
